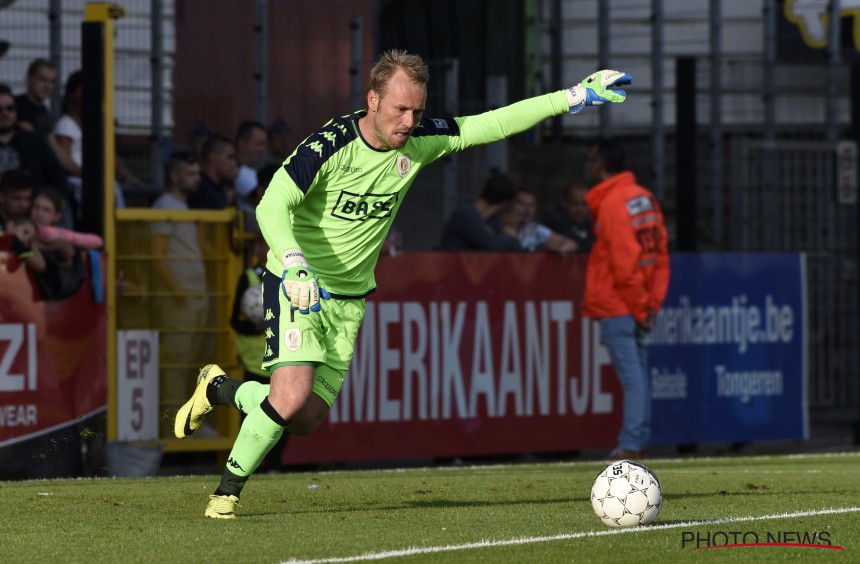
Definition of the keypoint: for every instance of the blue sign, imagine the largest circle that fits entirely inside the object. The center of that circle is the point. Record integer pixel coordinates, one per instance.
(727, 355)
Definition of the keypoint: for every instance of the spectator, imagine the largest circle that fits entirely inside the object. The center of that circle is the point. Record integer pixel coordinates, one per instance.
(19, 238)
(69, 137)
(20, 149)
(518, 220)
(251, 146)
(218, 169)
(180, 274)
(279, 141)
(469, 229)
(34, 115)
(625, 283)
(571, 217)
(59, 271)
(16, 194)
(47, 213)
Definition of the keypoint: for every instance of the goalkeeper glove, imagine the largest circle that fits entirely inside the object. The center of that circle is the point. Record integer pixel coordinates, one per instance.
(299, 283)
(598, 88)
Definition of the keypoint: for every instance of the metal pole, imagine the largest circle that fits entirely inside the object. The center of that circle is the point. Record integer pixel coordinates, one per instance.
(55, 19)
(716, 30)
(261, 10)
(603, 59)
(156, 98)
(356, 27)
(556, 28)
(769, 134)
(449, 176)
(658, 147)
(833, 63)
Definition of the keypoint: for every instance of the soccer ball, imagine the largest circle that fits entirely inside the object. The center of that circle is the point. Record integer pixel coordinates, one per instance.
(252, 304)
(626, 494)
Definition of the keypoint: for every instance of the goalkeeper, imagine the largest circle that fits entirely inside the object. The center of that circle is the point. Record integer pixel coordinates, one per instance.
(325, 217)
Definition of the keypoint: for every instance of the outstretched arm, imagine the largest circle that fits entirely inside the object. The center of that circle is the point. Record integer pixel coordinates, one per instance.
(598, 88)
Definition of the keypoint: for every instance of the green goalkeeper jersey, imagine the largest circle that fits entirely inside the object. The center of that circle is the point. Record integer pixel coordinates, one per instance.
(336, 197)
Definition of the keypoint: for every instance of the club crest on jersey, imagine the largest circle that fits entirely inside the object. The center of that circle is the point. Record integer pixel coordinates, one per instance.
(359, 207)
(404, 165)
(293, 339)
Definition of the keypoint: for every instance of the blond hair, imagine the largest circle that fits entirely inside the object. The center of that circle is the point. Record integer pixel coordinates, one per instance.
(392, 61)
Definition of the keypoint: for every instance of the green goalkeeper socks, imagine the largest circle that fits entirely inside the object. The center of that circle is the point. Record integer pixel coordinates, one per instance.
(260, 431)
(249, 396)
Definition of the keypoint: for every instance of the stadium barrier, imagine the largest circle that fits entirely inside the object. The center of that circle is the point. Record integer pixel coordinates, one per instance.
(459, 355)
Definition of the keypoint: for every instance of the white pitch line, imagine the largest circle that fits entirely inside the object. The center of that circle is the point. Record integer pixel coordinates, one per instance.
(531, 540)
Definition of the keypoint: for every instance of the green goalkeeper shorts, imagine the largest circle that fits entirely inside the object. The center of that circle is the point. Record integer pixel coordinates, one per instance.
(325, 340)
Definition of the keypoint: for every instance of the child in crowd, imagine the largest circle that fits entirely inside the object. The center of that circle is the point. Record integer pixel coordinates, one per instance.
(47, 212)
(20, 234)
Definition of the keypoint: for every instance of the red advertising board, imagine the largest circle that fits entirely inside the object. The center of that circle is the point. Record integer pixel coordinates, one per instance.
(52, 357)
(471, 354)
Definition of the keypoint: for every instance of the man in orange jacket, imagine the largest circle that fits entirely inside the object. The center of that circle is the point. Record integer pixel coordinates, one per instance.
(625, 282)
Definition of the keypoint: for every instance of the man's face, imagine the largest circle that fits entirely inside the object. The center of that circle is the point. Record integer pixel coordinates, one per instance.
(574, 205)
(252, 150)
(8, 113)
(394, 116)
(226, 166)
(527, 206)
(187, 177)
(41, 84)
(17, 202)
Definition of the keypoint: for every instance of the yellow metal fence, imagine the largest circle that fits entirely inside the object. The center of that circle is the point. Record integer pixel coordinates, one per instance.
(193, 324)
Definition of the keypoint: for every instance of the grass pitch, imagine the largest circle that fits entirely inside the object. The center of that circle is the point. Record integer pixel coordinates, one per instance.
(514, 513)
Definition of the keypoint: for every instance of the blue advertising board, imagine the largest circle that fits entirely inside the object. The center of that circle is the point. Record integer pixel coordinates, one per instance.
(728, 352)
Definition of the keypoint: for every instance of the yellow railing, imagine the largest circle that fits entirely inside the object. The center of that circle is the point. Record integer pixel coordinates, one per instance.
(194, 326)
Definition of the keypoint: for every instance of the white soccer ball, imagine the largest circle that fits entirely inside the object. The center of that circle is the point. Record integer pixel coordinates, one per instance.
(252, 304)
(626, 494)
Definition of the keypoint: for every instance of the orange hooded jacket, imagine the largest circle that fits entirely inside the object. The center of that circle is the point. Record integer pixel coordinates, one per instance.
(628, 268)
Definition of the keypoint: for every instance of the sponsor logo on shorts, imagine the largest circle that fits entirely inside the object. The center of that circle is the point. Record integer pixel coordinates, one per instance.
(293, 339)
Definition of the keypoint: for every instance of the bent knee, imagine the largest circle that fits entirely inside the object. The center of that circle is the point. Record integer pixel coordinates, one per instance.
(309, 417)
(300, 426)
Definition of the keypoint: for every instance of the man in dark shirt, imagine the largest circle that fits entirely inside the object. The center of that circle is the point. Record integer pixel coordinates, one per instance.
(468, 228)
(571, 217)
(33, 112)
(21, 149)
(218, 171)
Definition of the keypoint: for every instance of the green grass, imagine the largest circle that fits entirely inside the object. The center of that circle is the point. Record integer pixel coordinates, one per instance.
(346, 514)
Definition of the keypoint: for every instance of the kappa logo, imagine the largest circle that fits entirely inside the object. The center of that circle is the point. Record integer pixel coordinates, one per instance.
(233, 464)
(360, 207)
(640, 204)
(812, 17)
